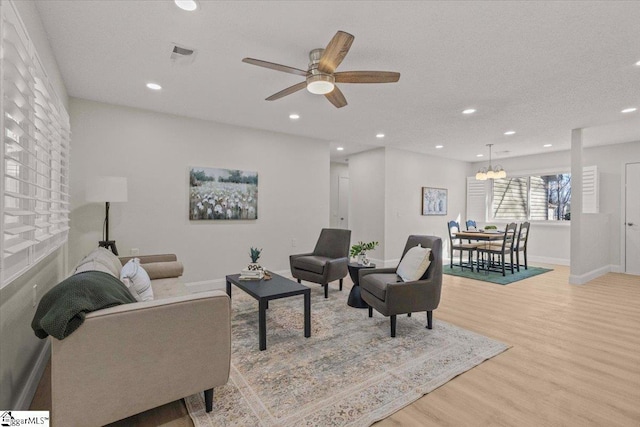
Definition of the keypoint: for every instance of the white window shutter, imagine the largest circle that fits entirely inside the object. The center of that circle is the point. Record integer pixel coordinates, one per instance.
(477, 199)
(590, 187)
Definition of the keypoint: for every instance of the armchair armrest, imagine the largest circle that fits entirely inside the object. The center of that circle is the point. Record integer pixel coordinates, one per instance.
(126, 359)
(292, 257)
(418, 295)
(366, 271)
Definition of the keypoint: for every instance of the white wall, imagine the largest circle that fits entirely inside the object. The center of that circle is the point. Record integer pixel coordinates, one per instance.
(610, 160)
(337, 171)
(367, 199)
(155, 151)
(22, 355)
(407, 172)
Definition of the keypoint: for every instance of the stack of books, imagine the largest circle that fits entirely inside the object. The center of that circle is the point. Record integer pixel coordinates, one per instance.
(251, 274)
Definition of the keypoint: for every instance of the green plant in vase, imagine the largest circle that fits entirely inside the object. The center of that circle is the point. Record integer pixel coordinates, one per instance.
(254, 253)
(360, 250)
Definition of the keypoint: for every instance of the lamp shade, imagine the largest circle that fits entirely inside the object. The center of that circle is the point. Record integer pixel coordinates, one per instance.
(107, 189)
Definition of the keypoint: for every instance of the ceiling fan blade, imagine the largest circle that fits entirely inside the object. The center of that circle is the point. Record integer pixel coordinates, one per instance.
(335, 52)
(336, 97)
(274, 66)
(287, 91)
(367, 77)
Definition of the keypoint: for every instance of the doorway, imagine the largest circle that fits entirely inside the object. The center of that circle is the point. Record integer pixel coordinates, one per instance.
(343, 202)
(632, 218)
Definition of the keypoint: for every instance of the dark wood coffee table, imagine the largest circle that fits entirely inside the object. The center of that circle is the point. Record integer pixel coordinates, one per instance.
(266, 290)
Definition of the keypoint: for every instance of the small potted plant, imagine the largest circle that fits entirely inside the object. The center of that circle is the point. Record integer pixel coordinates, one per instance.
(255, 255)
(360, 250)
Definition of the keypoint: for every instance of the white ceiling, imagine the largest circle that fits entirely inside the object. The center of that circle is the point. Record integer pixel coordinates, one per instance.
(539, 68)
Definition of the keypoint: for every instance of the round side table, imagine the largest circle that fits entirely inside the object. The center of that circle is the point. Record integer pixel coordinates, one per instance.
(355, 300)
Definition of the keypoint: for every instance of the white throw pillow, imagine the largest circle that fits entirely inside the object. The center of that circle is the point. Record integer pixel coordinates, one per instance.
(137, 280)
(414, 264)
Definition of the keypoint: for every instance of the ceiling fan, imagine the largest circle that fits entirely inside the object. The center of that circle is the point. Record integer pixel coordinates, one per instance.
(321, 76)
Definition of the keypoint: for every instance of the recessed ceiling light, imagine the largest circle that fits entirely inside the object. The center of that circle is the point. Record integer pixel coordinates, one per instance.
(380, 135)
(294, 116)
(638, 63)
(547, 145)
(154, 86)
(469, 111)
(510, 132)
(629, 110)
(340, 148)
(188, 5)
(439, 146)
(479, 155)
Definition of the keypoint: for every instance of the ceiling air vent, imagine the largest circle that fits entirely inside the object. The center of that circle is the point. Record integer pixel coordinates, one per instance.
(182, 55)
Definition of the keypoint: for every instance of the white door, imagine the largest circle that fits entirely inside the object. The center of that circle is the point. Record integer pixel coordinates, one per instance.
(632, 219)
(343, 202)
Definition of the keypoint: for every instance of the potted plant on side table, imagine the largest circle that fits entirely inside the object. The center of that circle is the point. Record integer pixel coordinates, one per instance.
(360, 249)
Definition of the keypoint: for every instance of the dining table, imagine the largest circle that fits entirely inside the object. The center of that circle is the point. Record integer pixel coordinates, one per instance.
(479, 235)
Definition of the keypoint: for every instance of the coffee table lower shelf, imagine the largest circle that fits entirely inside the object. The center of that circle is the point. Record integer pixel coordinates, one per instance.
(267, 290)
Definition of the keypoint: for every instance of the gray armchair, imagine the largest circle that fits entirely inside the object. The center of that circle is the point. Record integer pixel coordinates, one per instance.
(327, 262)
(385, 291)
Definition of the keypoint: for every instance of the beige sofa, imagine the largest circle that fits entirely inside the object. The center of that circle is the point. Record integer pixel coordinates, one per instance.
(130, 358)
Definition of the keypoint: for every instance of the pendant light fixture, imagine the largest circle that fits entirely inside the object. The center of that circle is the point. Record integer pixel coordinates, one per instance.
(491, 172)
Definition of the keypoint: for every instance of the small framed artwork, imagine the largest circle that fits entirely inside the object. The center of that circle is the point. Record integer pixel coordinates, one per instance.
(434, 201)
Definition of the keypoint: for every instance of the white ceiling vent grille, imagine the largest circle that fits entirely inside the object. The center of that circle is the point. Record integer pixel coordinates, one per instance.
(182, 55)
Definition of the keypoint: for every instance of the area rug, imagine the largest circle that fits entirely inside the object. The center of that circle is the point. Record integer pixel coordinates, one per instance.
(494, 277)
(348, 373)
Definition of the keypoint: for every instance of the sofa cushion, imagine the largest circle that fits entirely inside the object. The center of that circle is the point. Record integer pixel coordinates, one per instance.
(100, 259)
(313, 263)
(168, 288)
(414, 263)
(376, 283)
(139, 282)
(163, 270)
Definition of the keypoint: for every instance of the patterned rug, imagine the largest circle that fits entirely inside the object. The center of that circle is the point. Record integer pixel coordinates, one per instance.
(494, 277)
(348, 373)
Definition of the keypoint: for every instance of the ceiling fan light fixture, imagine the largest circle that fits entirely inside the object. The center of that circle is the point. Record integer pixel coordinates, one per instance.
(320, 84)
(188, 5)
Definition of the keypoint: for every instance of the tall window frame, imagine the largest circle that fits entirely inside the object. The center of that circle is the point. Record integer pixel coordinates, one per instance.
(531, 197)
(35, 154)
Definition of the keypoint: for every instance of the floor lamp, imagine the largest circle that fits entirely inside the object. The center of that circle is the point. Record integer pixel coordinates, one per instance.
(107, 189)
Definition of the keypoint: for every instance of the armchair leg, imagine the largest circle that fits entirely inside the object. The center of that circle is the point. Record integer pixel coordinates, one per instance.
(393, 325)
(408, 314)
(340, 284)
(429, 319)
(299, 281)
(326, 290)
(208, 399)
(370, 311)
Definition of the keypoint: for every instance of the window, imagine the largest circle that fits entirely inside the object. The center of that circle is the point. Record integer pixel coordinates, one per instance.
(533, 197)
(34, 187)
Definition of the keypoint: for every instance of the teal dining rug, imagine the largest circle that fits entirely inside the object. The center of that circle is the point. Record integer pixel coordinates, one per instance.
(494, 277)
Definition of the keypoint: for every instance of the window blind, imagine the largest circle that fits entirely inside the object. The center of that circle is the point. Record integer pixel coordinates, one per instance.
(34, 191)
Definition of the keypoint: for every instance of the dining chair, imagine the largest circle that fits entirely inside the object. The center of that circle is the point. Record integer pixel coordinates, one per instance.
(500, 250)
(457, 245)
(520, 244)
(471, 225)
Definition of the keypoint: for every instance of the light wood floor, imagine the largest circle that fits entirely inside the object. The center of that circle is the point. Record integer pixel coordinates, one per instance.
(574, 360)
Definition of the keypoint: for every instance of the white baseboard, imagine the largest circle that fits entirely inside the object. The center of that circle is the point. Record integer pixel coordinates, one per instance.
(220, 284)
(29, 389)
(617, 268)
(587, 277)
(546, 260)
